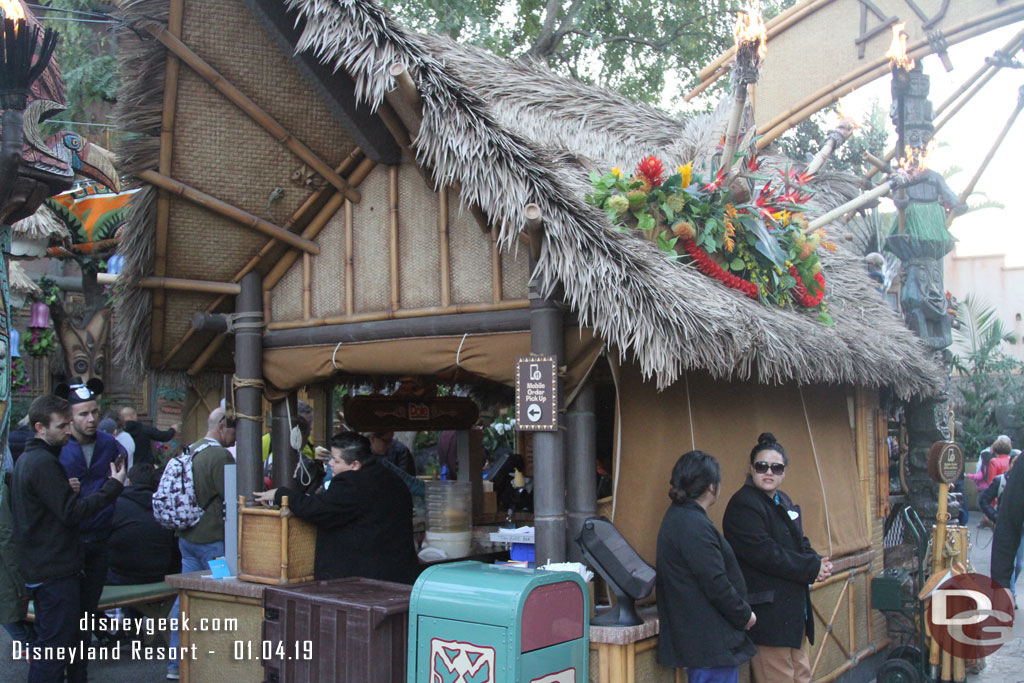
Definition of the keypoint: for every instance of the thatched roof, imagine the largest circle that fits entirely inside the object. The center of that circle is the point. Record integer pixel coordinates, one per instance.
(21, 283)
(41, 225)
(512, 134)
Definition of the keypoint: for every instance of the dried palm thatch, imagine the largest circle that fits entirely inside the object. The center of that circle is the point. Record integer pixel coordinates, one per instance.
(21, 283)
(513, 133)
(41, 225)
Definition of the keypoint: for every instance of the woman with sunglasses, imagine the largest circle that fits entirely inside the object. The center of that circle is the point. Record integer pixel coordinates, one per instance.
(765, 529)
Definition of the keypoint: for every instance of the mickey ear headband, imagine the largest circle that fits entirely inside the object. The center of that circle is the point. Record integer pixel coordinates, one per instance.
(79, 392)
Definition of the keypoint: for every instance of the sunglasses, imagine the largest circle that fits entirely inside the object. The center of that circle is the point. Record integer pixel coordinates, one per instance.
(762, 467)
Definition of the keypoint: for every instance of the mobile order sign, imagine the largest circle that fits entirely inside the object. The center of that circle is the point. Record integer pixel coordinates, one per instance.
(536, 394)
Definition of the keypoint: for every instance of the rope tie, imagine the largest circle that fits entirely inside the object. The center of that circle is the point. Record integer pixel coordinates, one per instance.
(334, 356)
(458, 353)
(241, 321)
(689, 410)
(239, 383)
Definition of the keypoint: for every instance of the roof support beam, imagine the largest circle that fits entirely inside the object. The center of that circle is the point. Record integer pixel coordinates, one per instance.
(253, 111)
(180, 284)
(221, 207)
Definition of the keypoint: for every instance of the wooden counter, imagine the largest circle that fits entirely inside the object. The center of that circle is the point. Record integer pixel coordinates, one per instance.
(225, 624)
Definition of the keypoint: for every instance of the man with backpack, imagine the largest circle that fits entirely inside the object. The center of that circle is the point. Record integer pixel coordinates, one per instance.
(203, 478)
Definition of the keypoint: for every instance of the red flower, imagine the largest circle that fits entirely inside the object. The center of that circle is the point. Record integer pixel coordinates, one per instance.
(801, 294)
(652, 170)
(712, 269)
(753, 164)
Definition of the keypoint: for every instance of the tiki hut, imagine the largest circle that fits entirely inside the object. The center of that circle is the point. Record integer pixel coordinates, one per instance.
(378, 182)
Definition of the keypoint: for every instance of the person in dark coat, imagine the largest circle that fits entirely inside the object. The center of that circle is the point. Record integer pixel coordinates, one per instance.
(1007, 536)
(765, 529)
(47, 515)
(141, 551)
(144, 435)
(18, 437)
(385, 445)
(702, 605)
(363, 520)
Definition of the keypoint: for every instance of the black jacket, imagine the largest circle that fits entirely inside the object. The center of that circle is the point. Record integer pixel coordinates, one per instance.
(144, 435)
(778, 564)
(364, 525)
(701, 595)
(17, 439)
(140, 550)
(1009, 525)
(47, 513)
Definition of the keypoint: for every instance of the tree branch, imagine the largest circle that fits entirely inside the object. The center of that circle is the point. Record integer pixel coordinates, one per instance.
(654, 45)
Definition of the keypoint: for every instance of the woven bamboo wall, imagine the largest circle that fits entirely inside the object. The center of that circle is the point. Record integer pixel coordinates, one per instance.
(472, 271)
(219, 150)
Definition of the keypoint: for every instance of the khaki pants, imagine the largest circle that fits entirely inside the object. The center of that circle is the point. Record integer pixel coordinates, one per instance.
(780, 665)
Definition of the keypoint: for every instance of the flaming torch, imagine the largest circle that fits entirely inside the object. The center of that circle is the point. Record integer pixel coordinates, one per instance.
(751, 48)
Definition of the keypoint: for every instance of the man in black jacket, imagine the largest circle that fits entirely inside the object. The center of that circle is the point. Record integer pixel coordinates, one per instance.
(47, 513)
(364, 519)
(1006, 538)
(141, 551)
(144, 435)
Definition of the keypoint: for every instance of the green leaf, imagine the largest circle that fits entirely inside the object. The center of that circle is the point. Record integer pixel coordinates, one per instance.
(737, 264)
(824, 317)
(595, 178)
(645, 221)
(667, 210)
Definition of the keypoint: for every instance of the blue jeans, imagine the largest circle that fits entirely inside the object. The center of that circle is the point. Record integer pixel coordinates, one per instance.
(22, 631)
(194, 557)
(718, 674)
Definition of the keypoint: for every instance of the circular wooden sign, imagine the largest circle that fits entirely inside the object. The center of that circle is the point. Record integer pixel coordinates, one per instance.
(945, 462)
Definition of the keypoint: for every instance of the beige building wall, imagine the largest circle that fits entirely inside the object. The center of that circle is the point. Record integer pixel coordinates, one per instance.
(988, 278)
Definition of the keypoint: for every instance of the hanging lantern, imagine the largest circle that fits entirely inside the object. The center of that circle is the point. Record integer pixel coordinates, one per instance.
(40, 315)
(15, 343)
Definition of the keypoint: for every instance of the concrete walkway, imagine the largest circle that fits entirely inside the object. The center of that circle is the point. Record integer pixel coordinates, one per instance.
(1007, 664)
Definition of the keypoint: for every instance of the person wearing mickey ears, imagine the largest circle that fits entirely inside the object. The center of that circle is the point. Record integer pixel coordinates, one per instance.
(86, 457)
(765, 530)
(47, 514)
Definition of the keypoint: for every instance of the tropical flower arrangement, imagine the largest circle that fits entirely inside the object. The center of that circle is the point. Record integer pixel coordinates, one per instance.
(42, 342)
(759, 245)
(19, 377)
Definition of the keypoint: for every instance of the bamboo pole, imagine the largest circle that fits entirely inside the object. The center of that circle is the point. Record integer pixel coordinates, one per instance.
(268, 305)
(183, 285)
(496, 293)
(307, 287)
(350, 262)
(218, 206)
(405, 99)
(353, 157)
(203, 359)
(396, 295)
(253, 111)
(175, 19)
(991, 153)
(505, 305)
(444, 248)
(853, 616)
(828, 629)
(871, 71)
(880, 191)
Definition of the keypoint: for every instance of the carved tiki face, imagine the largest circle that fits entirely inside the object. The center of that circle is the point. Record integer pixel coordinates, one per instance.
(86, 347)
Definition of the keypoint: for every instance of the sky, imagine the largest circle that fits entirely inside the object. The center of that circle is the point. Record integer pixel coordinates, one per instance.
(968, 137)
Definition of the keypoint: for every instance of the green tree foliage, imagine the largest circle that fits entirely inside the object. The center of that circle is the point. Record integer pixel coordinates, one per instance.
(637, 47)
(987, 377)
(86, 53)
(805, 139)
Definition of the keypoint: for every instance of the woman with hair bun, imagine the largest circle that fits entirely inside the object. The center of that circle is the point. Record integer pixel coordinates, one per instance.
(702, 605)
(765, 529)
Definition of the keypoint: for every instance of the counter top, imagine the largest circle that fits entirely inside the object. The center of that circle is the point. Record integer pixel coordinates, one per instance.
(623, 635)
(201, 581)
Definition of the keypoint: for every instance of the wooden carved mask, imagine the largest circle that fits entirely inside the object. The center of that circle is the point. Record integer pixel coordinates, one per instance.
(85, 347)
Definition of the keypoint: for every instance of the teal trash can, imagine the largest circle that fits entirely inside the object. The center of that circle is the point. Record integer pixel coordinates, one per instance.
(491, 624)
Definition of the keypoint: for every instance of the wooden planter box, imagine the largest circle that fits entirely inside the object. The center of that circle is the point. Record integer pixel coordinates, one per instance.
(274, 546)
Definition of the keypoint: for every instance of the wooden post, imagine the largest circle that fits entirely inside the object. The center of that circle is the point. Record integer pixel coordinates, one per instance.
(179, 284)
(249, 399)
(396, 296)
(175, 19)
(443, 247)
(405, 99)
(285, 457)
(496, 285)
(350, 261)
(307, 287)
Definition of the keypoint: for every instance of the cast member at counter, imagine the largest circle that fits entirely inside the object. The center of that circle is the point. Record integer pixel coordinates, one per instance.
(363, 520)
(765, 529)
(702, 603)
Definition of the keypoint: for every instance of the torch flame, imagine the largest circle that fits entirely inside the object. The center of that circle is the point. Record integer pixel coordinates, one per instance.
(750, 28)
(897, 52)
(12, 10)
(916, 159)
